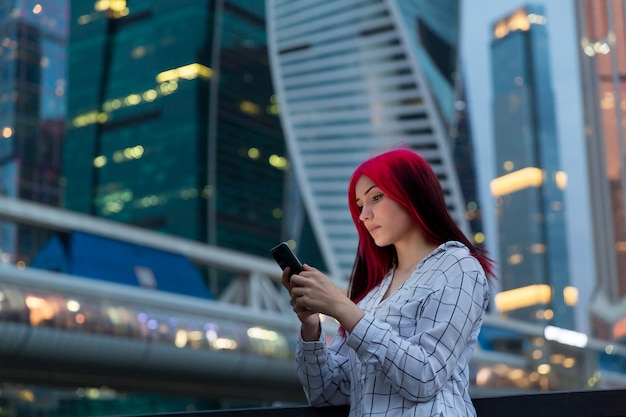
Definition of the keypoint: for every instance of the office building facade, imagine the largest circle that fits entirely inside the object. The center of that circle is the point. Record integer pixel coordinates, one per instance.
(528, 188)
(33, 41)
(173, 124)
(602, 36)
(358, 77)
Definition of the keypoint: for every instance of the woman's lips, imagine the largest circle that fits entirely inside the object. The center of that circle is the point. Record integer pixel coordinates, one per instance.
(371, 229)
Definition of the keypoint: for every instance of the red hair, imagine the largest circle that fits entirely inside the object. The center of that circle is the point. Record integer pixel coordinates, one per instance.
(405, 177)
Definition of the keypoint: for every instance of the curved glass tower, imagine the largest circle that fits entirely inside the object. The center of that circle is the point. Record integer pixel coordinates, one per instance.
(355, 78)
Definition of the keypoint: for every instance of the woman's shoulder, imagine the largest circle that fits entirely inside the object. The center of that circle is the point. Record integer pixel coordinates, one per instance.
(454, 255)
(452, 248)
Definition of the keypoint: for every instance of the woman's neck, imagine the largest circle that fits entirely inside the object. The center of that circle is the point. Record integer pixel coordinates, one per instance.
(410, 254)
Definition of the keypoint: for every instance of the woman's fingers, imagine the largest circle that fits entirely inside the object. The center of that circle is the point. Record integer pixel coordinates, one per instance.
(286, 279)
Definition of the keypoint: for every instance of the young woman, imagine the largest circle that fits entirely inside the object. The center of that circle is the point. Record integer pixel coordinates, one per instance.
(417, 296)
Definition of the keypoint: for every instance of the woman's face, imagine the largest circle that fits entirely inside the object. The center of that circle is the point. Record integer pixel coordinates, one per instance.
(387, 221)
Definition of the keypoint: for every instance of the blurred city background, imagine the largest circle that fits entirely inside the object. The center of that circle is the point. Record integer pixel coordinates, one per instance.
(153, 151)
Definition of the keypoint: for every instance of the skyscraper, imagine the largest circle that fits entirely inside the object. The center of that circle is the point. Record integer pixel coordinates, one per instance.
(601, 31)
(357, 77)
(173, 124)
(33, 38)
(529, 184)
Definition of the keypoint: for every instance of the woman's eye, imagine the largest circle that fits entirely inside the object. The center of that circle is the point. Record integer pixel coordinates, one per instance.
(377, 197)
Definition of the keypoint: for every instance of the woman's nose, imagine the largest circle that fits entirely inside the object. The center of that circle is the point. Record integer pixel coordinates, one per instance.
(365, 214)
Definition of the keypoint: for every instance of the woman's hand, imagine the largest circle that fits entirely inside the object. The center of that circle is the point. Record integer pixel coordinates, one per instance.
(313, 292)
(298, 306)
(311, 326)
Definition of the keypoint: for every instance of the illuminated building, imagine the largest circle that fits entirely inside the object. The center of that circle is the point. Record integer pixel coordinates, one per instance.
(173, 124)
(602, 39)
(33, 37)
(356, 80)
(528, 188)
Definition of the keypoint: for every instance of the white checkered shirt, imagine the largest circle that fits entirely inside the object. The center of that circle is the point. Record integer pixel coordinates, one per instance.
(409, 354)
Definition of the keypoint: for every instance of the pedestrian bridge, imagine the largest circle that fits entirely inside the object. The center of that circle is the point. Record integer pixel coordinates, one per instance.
(70, 331)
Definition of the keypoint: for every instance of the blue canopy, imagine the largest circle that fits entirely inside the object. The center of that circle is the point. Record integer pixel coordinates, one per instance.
(84, 255)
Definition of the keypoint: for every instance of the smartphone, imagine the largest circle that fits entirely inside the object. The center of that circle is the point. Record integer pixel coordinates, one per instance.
(285, 257)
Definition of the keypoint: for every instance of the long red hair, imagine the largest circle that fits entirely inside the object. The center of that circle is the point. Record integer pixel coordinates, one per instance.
(405, 177)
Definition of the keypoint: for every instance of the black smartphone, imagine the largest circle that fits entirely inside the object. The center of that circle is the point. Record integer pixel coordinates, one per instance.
(285, 257)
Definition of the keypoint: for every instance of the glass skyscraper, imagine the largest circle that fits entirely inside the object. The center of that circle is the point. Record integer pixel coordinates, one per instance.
(529, 184)
(173, 124)
(602, 36)
(357, 77)
(33, 41)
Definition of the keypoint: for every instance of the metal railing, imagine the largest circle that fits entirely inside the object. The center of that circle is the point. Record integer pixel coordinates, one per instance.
(592, 403)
